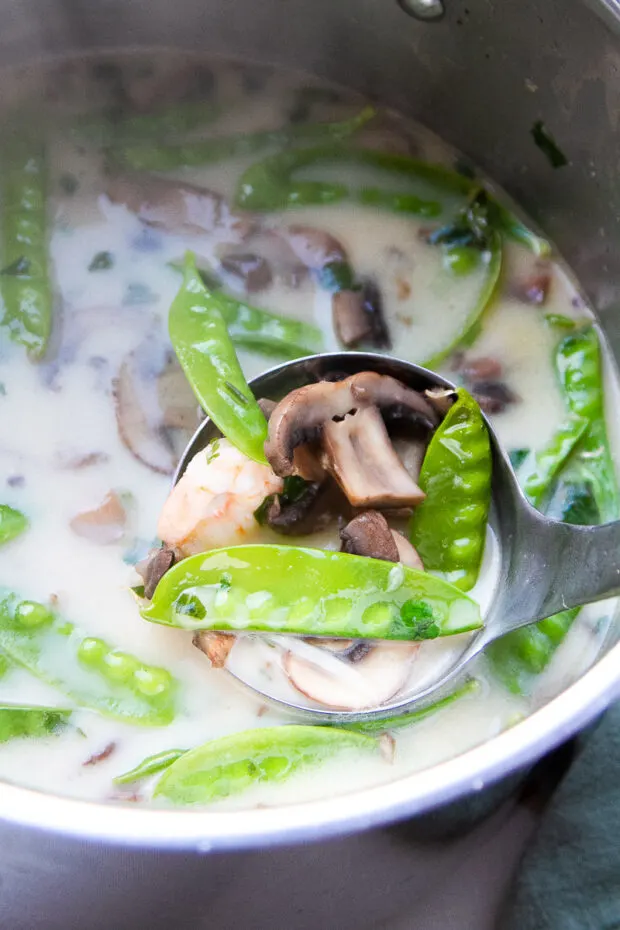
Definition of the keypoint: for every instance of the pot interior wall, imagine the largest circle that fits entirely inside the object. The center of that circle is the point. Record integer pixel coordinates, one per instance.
(480, 77)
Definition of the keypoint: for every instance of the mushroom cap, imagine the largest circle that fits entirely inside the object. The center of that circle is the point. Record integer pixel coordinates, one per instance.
(299, 417)
(368, 534)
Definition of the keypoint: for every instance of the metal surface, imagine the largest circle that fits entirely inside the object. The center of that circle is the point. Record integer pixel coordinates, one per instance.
(546, 566)
(480, 77)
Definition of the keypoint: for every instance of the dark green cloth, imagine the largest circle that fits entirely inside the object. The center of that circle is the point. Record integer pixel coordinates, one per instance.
(570, 875)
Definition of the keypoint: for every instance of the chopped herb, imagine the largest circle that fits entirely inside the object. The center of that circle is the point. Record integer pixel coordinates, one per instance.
(517, 457)
(560, 321)
(19, 268)
(2, 389)
(68, 183)
(547, 145)
(294, 488)
(213, 450)
(337, 276)
(102, 261)
(418, 615)
(225, 581)
(138, 590)
(190, 606)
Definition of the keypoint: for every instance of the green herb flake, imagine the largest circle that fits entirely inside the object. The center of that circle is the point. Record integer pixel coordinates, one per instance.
(102, 261)
(68, 184)
(17, 269)
(547, 145)
(190, 606)
(213, 451)
(517, 457)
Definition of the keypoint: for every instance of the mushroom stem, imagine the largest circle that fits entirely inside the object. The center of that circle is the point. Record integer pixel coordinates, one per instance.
(359, 454)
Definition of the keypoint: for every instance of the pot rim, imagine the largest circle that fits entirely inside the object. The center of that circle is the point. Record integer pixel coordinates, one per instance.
(205, 831)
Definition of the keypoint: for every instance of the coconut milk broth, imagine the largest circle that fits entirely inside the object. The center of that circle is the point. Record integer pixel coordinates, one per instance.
(60, 451)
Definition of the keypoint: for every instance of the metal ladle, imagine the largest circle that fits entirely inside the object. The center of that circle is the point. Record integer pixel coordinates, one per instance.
(545, 566)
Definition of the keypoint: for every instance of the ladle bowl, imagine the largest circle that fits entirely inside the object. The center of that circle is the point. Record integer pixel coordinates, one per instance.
(545, 566)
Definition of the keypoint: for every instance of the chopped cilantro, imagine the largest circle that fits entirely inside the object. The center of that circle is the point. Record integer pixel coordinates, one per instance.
(547, 145)
(102, 261)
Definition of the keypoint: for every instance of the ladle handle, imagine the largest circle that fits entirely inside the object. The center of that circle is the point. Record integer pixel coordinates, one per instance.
(557, 566)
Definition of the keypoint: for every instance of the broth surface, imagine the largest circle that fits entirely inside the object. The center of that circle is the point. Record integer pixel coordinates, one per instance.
(114, 279)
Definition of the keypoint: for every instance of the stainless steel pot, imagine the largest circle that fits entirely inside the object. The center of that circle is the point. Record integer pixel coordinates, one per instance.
(480, 77)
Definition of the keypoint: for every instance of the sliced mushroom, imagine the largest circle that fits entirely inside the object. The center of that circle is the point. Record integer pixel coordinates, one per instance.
(301, 416)
(251, 271)
(493, 396)
(216, 646)
(351, 322)
(104, 524)
(360, 455)
(407, 554)
(371, 682)
(313, 510)
(314, 248)
(154, 567)
(368, 534)
(177, 207)
(153, 399)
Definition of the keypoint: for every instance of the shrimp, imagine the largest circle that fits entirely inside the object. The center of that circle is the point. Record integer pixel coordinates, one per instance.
(213, 504)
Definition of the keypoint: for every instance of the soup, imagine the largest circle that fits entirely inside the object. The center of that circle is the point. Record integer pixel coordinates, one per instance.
(314, 223)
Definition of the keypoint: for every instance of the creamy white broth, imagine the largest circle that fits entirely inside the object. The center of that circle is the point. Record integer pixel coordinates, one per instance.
(57, 413)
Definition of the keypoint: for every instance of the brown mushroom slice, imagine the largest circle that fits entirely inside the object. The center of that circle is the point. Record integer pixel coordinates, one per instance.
(216, 646)
(407, 554)
(368, 534)
(377, 677)
(349, 317)
(315, 248)
(138, 421)
(299, 418)
(154, 406)
(315, 508)
(154, 567)
(176, 206)
(104, 524)
(252, 272)
(361, 457)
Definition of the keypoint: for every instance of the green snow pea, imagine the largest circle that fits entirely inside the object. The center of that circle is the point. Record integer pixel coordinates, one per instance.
(22, 720)
(235, 763)
(492, 258)
(260, 330)
(85, 668)
(519, 656)
(449, 527)
(539, 470)
(24, 279)
(370, 727)
(579, 366)
(523, 654)
(150, 766)
(269, 184)
(201, 341)
(206, 151)
(308, 592)
(102, 130)
(12, 523)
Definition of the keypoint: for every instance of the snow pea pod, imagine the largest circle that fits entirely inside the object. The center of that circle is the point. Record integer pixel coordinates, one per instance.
(206, 151)
(170, 121)
(24, 278)
(203, 346)
(370, 727)
(22, 720)
(235, 763)
(579, 366)
(493, 259)
(260, 330)
(308, 592)
(269, 184)
(152, 765)
(520, 656)
(448, 529)
(12, 523)
(85, 668)
(539, 470)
